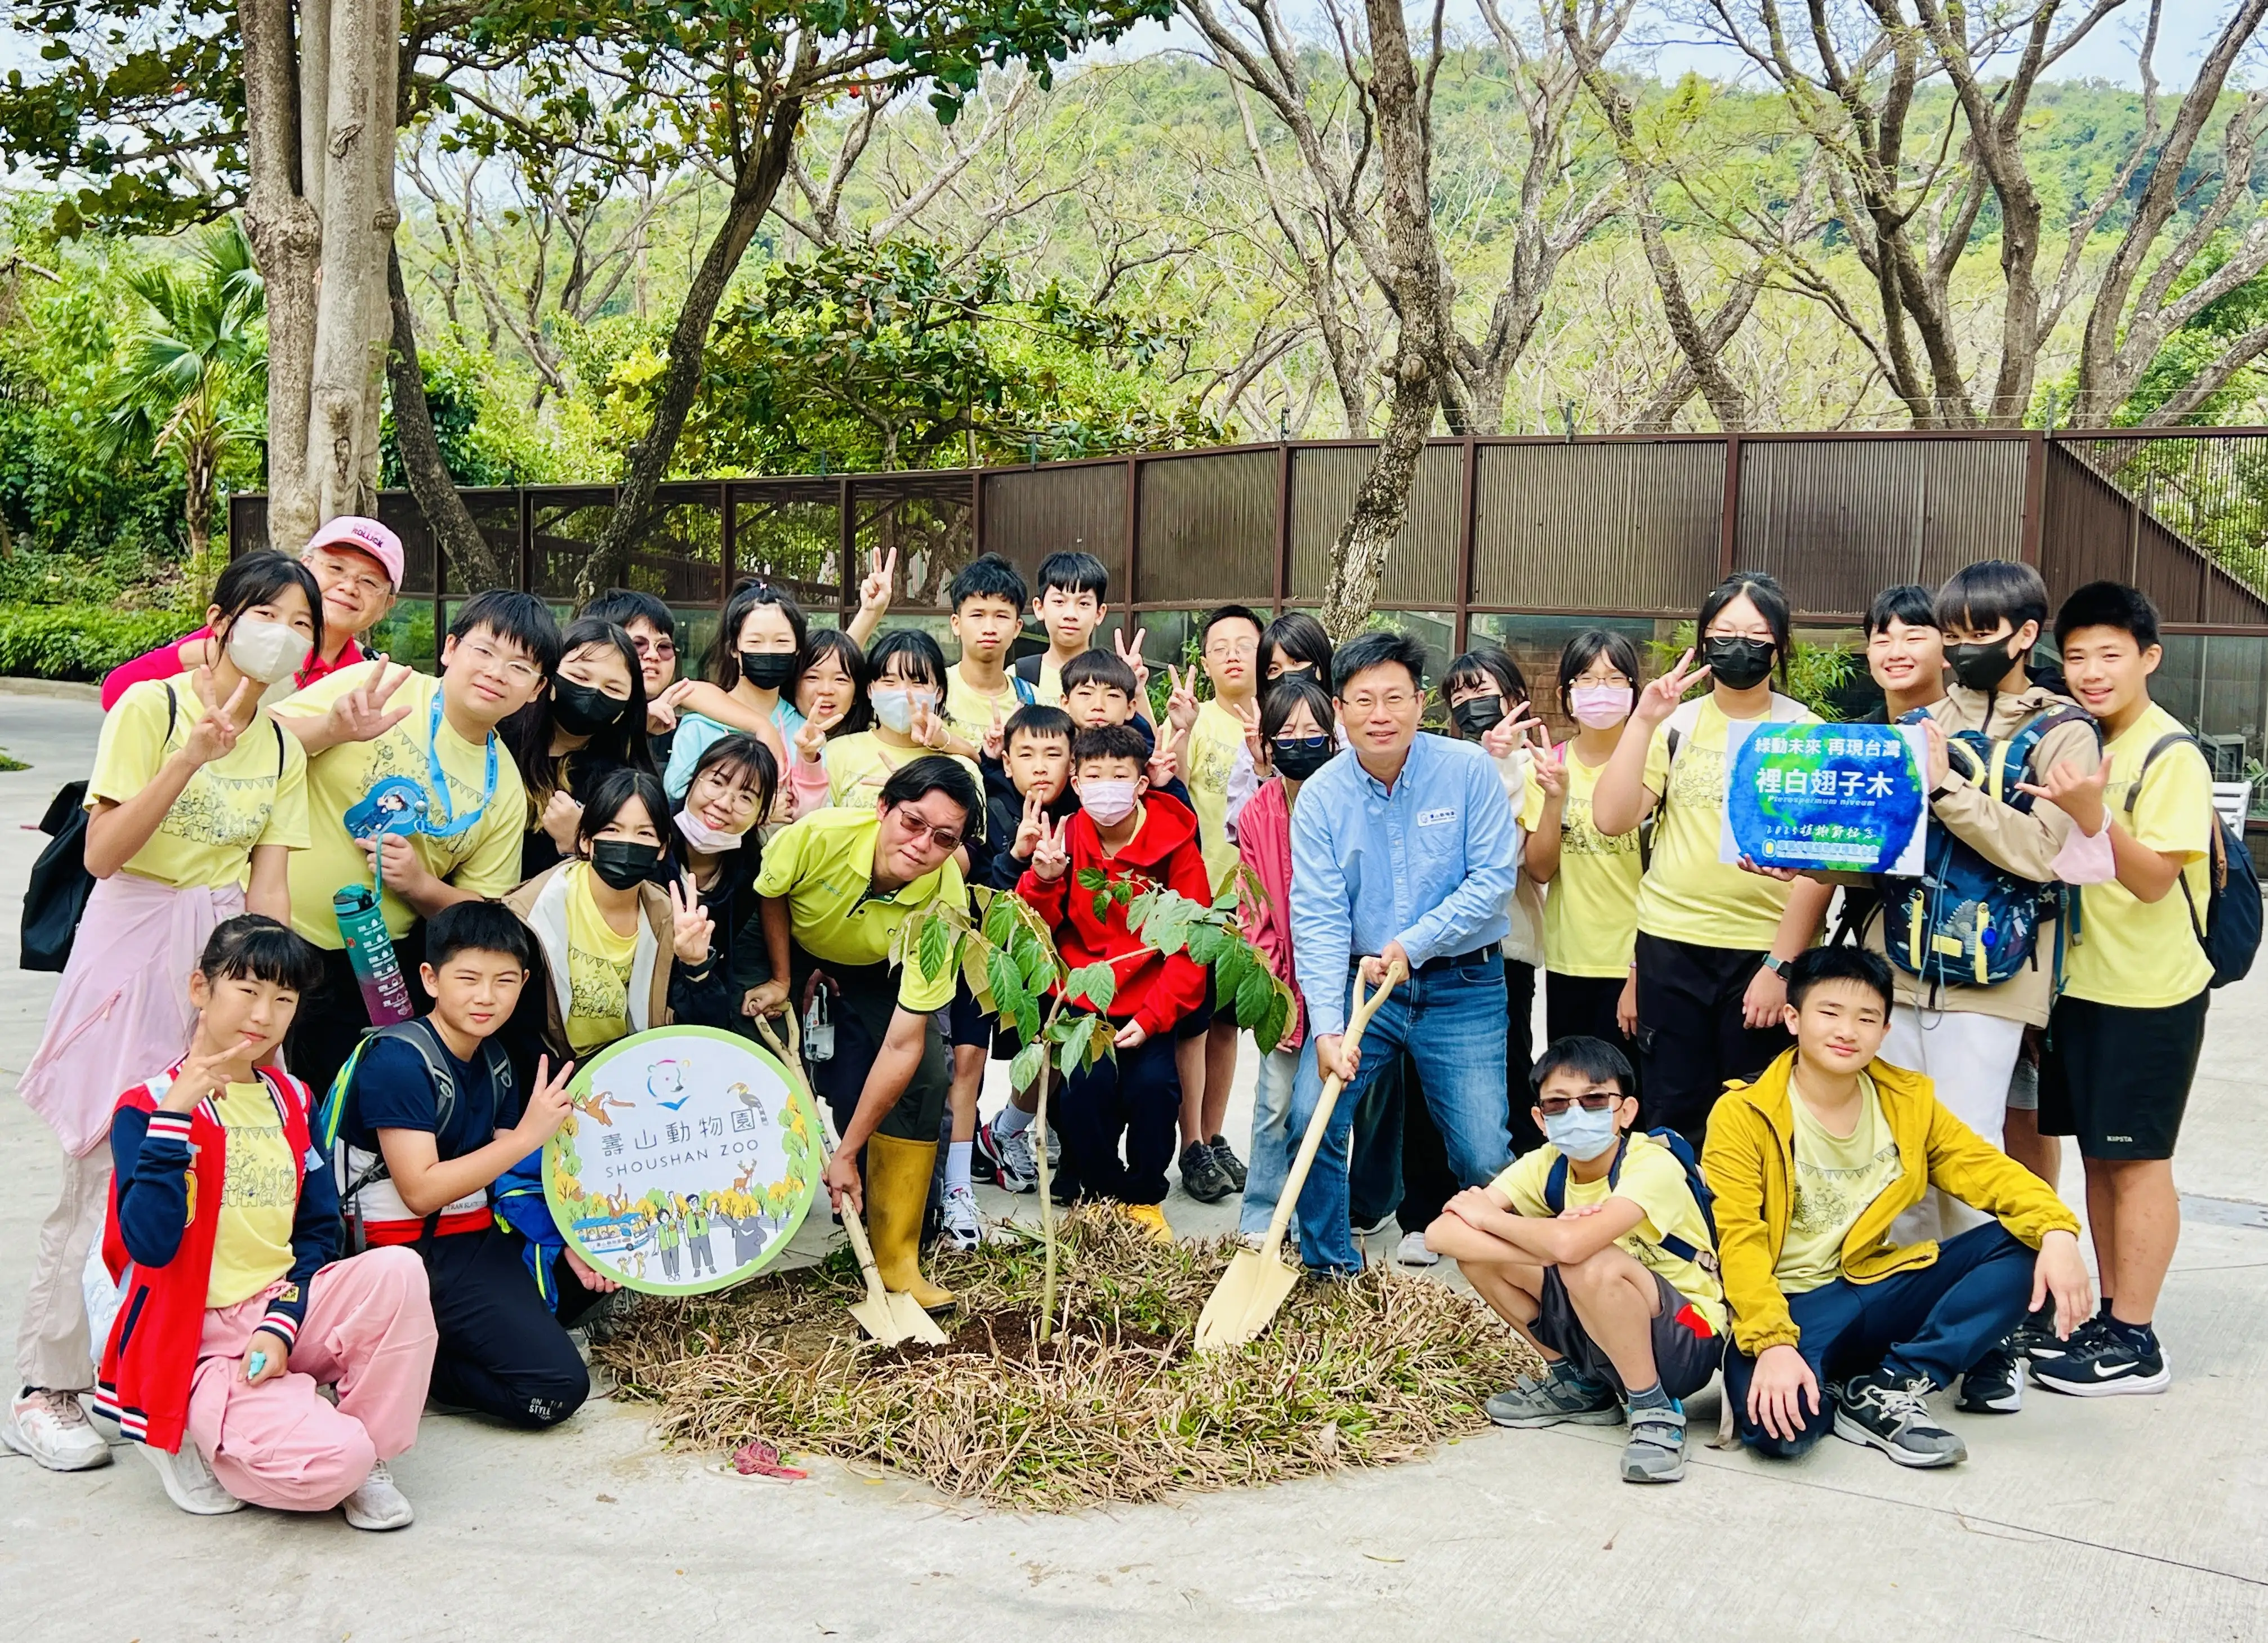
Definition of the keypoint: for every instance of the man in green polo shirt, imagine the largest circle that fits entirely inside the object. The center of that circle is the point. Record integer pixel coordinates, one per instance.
(835, 888)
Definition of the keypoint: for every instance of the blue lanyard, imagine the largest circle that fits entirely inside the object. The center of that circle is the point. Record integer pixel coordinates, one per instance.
(455, 825)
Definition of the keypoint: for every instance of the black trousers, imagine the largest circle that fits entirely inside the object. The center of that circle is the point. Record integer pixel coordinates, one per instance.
(1428, 1183)
(1691, 1033)
(332, 1020)
(1134, 1099)
(1584, 1006)
(861, 1011)
(502, 1351)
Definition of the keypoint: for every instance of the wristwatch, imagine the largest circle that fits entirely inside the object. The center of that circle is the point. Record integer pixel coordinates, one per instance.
(1777, 967)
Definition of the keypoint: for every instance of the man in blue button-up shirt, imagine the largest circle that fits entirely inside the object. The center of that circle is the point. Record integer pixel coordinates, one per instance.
(1402, 847)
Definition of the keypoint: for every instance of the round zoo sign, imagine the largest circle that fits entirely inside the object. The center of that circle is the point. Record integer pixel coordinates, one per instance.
(687, 1163)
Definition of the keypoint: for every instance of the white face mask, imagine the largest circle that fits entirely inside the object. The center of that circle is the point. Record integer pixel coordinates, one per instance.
(702, 837)
(266, 650)
(893, 706)
(1109, 802)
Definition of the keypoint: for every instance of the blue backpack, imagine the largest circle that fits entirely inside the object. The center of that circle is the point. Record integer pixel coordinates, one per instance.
(1554, 1193)
(1965, 921)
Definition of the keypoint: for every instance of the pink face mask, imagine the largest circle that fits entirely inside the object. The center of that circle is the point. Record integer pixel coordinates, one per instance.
(1601, 707)
(1110, 800)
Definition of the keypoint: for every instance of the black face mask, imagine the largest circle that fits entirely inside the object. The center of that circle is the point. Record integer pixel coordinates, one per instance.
(1980, 666)
(1739, 663)
(622, 863)
(1300, 757)
(767, 669)
(584, 709)
(1481, 713)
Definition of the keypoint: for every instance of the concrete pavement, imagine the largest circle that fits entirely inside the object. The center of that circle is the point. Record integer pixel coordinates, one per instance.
(2107, 1519)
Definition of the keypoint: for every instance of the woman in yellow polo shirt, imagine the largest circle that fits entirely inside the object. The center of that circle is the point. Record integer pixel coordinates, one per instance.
(1711, 937)
(1590, 911)
(196, 800)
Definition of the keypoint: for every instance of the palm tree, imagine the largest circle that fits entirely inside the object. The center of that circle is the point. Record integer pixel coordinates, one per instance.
(187, 373)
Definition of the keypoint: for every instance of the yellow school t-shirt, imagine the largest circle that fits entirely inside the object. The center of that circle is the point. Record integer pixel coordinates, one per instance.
(230, 807)
(968, 710)
(598, 962)
(1047, 689)
(258, 1197)
(1215, 740)
(1652, 1178)
(1590, 917)
(1688, 894)
(859, 767)
(484, 859)
(1835, 1178)
(2145, 954)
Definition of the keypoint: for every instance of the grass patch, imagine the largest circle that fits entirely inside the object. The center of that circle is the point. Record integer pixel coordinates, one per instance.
(9, 761)
(1117, 1408)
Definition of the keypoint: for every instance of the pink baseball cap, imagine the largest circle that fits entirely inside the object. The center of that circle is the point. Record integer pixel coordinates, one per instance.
(365, 536)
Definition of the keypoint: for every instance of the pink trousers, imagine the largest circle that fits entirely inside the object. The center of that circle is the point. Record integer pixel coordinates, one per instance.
(368, 1332)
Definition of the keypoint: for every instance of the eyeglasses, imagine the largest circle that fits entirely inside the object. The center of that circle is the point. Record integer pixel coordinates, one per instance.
(338, 576)
(662, 648)
(1313, 744)
(1590, 1101)
(945, 839)
(1393, 701)
(489, 658)
(1234, 648)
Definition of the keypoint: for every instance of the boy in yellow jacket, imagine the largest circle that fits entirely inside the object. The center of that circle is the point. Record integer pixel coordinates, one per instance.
(1834, 1322)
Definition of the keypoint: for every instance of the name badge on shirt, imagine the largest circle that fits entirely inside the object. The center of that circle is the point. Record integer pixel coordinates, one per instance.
(1434, 818)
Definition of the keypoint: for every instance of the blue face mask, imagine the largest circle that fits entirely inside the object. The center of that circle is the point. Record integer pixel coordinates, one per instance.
(1580, 1136)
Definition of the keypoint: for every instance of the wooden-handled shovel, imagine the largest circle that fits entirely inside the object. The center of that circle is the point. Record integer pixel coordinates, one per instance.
(890, 1318)
(1256, 1281)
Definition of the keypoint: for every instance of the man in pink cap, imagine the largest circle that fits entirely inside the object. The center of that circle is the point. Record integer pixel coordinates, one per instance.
(357, 564)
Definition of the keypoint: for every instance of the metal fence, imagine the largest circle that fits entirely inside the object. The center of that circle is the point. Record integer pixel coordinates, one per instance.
(1523, 540)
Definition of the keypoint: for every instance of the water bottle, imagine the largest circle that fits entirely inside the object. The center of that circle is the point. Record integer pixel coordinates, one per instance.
(385, 994)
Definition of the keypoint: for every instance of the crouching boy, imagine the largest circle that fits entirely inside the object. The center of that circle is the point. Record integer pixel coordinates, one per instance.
(1126, 833)
(1833, 1322)
(1596, 1248)
(432, 1120)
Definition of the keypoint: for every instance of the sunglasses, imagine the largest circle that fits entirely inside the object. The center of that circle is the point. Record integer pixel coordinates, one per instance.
(948, 838)
(1590, 1101)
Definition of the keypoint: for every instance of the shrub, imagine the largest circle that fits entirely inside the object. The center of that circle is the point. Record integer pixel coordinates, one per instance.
(80, 641)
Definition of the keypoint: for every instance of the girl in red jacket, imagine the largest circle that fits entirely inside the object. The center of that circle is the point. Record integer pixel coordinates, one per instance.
(1134, 1096)
(223, 1228)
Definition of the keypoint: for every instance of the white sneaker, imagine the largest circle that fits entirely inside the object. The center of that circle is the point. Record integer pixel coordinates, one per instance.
(54, 1430)
(1412, 1251)
(189, 1483)
(963, 1229)
(377, 1503)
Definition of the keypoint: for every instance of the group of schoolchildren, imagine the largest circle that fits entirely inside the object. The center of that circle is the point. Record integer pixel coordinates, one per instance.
(1735, 1134)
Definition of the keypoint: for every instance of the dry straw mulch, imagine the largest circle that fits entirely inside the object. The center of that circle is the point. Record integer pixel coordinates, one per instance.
(1116, 1408)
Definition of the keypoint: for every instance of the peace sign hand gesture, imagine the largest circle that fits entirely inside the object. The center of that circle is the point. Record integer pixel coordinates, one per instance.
(1031, 830)
(1130, 652)
(690, 925)
(214, 736)
(874, 591)
(1551, 768)
(1248, 715)
(996, 736)
(1182, 701)
(928, 727)
(548, 1104)
(361, 714)
(1658, 700)
(811, 740)
(1052, 855)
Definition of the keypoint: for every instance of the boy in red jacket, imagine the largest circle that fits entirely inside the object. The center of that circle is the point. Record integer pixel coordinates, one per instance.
(1126, 832)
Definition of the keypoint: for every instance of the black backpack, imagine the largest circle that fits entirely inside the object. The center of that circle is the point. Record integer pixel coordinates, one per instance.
(55, 897)
(2229, 932)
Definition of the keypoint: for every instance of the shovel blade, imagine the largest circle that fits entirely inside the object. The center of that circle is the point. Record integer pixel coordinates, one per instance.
(880, 1320)
(913, 1323)
(1244, 1300)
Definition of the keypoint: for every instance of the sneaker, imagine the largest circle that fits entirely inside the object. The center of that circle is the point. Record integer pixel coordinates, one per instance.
(1373, 1228)
(1994, 1385)
(189, 1483)
(54, 1430)
(2035, 1338)
(1890, 1415)
(1007, 1160)
(1412, 1251)
(377, 1503)
(1201, 1177)
(1231, 1165)
(1656, 1451)
(2105, 1364)
(1559, 1396)
(1151, 1218)
(963, 1228)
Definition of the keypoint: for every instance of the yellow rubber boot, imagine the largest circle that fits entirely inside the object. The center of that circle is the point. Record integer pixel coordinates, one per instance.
(897, 1192)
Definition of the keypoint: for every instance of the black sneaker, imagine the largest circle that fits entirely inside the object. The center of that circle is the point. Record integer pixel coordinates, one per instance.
(2046, 1348)
(2036, 1335)
(1231, 1165)
(1994, 1385)
(1201, 1177)
(2105, 1364)
(1890, 1415)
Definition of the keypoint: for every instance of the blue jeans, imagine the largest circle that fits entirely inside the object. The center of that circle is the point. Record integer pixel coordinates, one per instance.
(1451, 1023)
(1268, 1159)
(1935, 1320)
